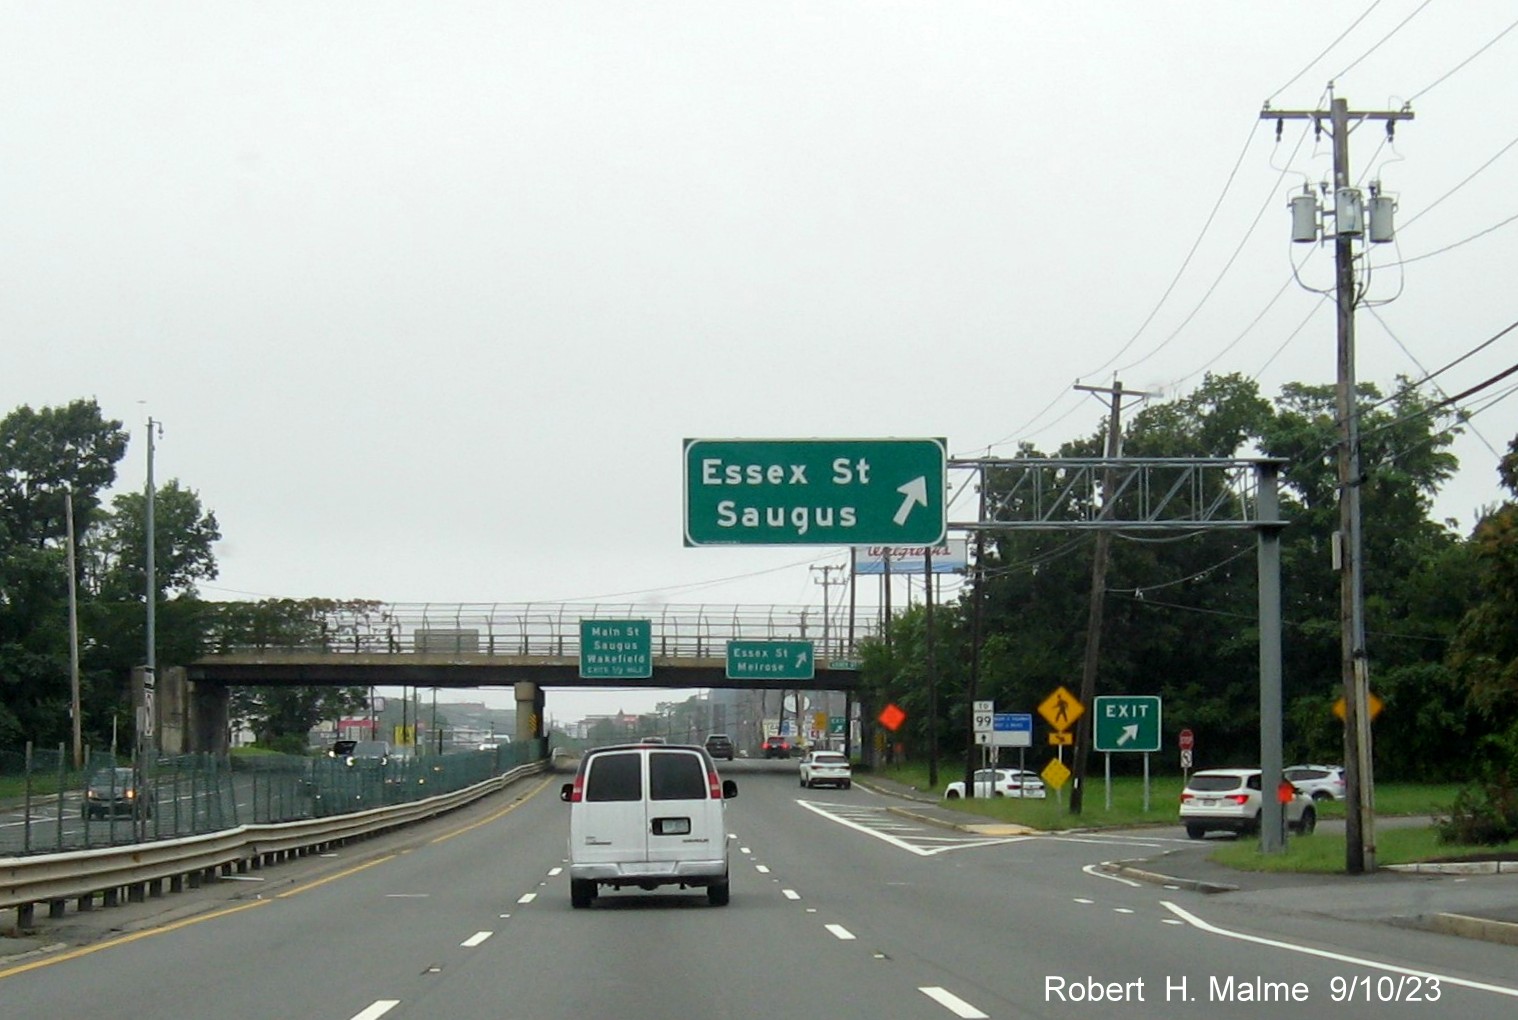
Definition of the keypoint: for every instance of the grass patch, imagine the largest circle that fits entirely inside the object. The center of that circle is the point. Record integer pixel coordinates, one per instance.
(1316, 853)
(1325, 854)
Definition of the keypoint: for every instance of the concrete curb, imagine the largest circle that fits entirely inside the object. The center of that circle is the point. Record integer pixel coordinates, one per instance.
(1467, 927)
(1457, 868)
(1156, 878)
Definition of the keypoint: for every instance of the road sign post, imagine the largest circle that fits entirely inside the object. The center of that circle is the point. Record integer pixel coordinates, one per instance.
(815, 491)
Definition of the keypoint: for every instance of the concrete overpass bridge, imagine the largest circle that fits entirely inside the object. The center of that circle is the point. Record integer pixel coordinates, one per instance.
(531, 647)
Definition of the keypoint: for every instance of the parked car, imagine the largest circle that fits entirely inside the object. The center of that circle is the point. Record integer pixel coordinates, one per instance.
(776, 746)
(720, 745)
(116, 792)
(1001, 783)
(1230, 800)
(826, 768)
(647, 815)
(1320, 782)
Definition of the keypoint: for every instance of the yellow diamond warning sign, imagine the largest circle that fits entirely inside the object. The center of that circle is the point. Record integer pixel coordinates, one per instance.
(1061, 709)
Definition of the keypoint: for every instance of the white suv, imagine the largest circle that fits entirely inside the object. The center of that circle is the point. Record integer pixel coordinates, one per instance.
(1320, 782)
(1230, 800)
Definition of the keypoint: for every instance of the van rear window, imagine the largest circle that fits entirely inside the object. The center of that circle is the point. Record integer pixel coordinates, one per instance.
(677, 776)
(614, 777)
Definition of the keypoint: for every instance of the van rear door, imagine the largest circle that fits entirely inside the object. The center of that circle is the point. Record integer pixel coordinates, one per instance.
(613, 827)
(684, 821)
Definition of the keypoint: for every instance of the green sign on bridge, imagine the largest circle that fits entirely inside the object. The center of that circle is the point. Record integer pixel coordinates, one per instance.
(770, 660)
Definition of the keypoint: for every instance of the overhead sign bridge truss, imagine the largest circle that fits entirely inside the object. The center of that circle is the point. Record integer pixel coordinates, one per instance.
(1142, 494)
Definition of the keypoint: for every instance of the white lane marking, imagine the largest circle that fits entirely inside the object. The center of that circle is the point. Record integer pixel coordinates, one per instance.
(901, 843)
(407, 896)
(476, 939)
(555, 872)
(763, 869)
(527, 897)
(1091, 869)
(1173, 920)
(839, 931)
(745, 851)
(377, 1009)
(1082, 899)
(1291, 947)
(953, 1003)
(239, 878)
(1122, 910)
(790, 894)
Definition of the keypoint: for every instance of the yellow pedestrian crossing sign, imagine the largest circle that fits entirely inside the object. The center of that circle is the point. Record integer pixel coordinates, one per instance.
(1061, 709)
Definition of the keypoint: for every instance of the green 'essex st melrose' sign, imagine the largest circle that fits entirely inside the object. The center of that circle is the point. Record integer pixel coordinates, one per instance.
(815, 491)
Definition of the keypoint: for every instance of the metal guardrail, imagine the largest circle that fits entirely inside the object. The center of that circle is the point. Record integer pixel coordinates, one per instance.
(141, 868)
(553, 628)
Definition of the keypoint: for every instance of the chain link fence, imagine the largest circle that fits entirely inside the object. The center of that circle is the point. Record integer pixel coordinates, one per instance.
(47, 805)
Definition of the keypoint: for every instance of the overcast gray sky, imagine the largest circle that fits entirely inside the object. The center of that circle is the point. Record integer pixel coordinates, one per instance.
(427, 295)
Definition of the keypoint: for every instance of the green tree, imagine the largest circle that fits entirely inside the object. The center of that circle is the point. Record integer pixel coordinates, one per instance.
(45, 455)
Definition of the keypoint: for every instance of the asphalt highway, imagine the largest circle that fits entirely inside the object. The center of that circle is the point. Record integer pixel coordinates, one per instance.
(843, 905)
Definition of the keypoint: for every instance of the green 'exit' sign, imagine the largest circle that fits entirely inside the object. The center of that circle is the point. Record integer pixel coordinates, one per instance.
(1126, 722)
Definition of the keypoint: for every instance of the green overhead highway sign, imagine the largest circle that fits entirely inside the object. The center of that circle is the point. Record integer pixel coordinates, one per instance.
(815, 491)
(1129, 722)
(770, 660)
(616, 649)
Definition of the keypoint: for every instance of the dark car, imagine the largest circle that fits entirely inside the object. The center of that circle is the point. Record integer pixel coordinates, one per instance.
(116, 792)
(776, 747)
(720, 745)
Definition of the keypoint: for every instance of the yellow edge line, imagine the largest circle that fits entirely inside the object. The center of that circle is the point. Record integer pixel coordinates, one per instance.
(508, 809)
(74, 954)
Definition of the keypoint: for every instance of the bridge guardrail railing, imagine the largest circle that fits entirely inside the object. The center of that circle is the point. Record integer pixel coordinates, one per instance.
(548, 629)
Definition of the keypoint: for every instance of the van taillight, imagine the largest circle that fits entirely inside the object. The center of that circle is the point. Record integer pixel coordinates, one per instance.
(714, 785)
(578, 793)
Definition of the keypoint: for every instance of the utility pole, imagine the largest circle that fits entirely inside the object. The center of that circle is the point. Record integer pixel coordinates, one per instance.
(1098, 590)
(1349, 225)
(826, 570)
(927, 627)
(978, 573)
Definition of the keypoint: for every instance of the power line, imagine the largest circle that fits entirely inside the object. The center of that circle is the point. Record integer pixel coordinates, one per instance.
(1460, 66)
(1340, 38)
(1355, 63)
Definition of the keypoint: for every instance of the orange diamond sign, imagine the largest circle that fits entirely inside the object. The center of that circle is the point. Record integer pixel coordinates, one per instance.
(1373, 703)
(892, 717)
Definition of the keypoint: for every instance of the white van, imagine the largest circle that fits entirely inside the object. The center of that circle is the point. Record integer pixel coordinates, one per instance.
(647, 815)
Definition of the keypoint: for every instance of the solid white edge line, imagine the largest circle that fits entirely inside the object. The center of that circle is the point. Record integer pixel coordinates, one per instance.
(476, 939)
(953, 1003)
(840, 932)
(1091, 869)
(1197, 922)
(377, 1009)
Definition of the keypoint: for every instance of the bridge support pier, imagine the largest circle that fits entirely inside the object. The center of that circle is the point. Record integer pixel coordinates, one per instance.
(529, 712)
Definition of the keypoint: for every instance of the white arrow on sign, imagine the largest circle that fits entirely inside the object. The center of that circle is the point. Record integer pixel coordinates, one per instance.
(1130, 732)
(800, 659)
(916, 492)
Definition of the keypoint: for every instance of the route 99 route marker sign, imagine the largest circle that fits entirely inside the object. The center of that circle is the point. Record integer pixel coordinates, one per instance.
(815, 491)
